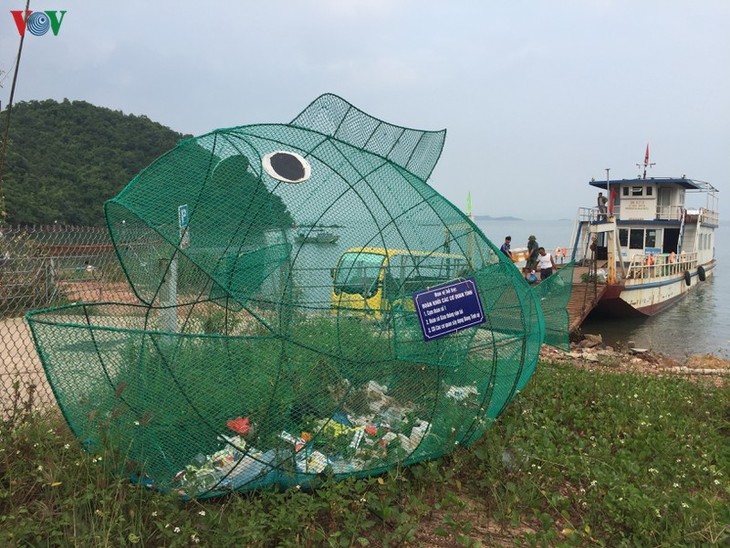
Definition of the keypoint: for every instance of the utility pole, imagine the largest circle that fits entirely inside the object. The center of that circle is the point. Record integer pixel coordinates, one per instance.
(6, 138)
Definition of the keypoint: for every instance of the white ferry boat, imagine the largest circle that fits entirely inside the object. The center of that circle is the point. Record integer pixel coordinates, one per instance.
(646, 247)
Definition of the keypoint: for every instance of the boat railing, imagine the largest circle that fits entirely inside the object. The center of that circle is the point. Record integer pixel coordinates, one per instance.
(593, 215)
(669, 213)
(645, 266)
(709, 217)
(587, 214)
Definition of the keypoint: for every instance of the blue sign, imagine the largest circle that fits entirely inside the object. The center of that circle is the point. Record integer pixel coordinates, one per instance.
(448, 308)
(182, 215)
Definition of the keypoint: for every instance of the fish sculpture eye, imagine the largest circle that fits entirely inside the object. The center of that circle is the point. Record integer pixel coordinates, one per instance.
(288, 167)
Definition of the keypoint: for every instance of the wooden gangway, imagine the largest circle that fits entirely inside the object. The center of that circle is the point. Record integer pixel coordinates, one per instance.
(583, 298)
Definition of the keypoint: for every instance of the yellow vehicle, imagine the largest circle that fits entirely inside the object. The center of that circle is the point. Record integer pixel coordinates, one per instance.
(370, 280)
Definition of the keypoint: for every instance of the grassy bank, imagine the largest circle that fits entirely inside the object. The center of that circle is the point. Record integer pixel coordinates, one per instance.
(580, 457)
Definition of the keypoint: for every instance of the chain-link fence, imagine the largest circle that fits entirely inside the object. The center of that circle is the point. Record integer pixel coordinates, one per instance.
(42, 267)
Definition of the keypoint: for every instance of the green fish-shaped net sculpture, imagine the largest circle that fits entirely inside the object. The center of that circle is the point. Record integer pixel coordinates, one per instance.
(307, 305)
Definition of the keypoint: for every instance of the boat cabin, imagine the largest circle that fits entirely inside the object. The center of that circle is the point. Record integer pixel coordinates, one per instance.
(644, 244)
(649, 217)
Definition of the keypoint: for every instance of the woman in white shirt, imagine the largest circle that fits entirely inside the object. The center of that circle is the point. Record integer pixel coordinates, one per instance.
(545, 263)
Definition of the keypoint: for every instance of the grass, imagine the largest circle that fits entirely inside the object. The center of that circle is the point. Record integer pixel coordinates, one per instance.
(580, 457)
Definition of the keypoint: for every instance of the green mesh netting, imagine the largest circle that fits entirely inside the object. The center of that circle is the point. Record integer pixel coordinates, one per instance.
(276, 336)
(554, 294)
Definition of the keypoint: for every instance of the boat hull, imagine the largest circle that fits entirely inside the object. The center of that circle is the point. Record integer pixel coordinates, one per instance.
(647, 298)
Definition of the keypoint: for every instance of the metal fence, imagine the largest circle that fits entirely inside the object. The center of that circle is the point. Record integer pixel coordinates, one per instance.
(42, 267)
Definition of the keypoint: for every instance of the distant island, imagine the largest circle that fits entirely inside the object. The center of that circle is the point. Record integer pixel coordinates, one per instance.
(490, 218)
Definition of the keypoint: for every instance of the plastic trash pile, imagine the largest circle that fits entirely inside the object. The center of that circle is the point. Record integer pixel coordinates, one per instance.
(339, 444)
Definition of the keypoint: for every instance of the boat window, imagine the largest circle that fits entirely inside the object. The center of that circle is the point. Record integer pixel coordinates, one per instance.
(623, 237)
(358, 273)
(625, 191)
(650, 237)
(637, 190)
(636, 238)
(649, 191)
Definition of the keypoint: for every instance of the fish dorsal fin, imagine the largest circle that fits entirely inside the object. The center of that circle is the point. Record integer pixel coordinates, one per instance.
(415, 150)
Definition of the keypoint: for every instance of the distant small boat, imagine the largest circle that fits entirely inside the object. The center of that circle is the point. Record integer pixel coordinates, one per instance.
(316, 237)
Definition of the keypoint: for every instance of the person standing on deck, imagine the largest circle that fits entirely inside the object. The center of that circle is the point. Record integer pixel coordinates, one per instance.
(602, 209)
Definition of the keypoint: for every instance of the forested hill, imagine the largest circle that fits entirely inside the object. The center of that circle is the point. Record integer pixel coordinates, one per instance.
(65, 159)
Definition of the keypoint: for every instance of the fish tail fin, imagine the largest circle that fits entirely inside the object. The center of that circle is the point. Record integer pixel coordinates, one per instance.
(416, 151)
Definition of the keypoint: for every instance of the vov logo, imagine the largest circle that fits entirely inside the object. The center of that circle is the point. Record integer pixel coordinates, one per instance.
(38, 23)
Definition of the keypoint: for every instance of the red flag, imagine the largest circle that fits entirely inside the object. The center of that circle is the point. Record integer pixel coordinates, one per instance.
(614, 194)
(646, 160)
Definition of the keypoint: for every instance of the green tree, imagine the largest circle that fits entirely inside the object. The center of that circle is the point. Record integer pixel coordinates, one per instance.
(65, 159)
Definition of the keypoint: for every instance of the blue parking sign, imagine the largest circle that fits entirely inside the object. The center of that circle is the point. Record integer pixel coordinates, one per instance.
(182, 215)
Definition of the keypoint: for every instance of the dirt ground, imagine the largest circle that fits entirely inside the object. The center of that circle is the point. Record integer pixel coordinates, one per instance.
(21, 373)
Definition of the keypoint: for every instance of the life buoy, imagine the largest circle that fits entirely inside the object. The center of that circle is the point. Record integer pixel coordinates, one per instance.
(687, 277)
(701, 273)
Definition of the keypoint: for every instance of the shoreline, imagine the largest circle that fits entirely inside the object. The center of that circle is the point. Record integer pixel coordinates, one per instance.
(591, 353)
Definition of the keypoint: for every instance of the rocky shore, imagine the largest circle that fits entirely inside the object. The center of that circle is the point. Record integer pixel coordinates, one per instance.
(590, 352)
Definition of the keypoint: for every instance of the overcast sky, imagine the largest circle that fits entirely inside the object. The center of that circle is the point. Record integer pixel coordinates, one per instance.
(538, 97)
